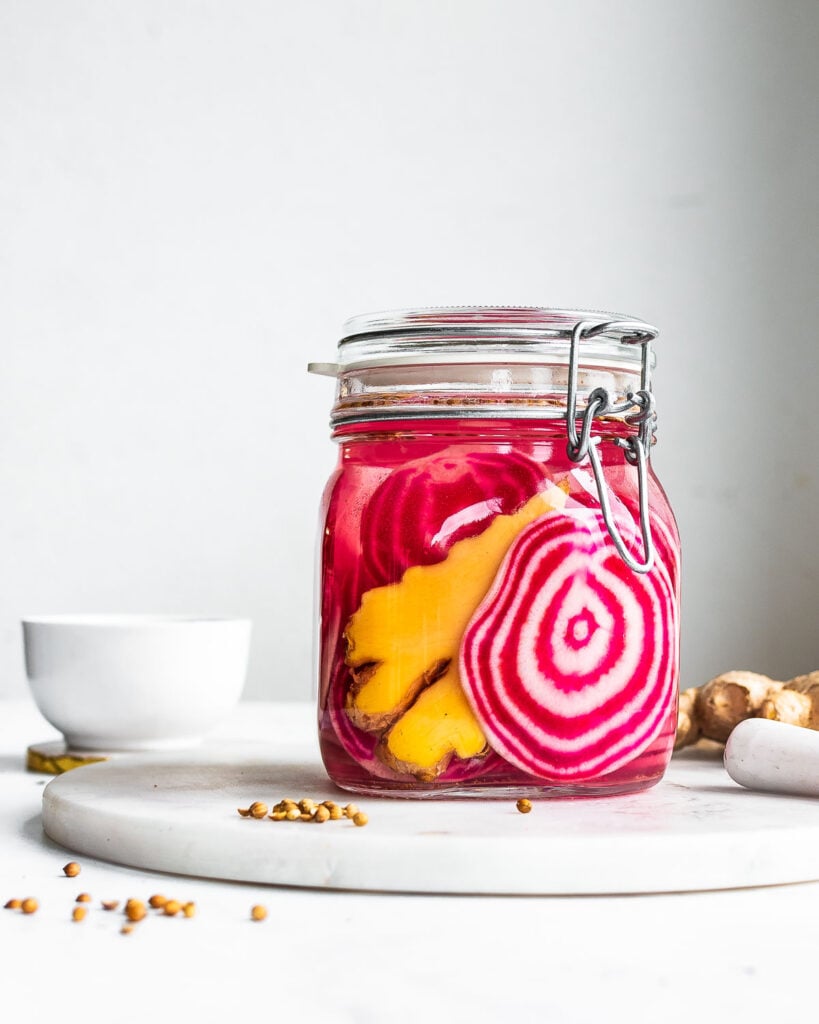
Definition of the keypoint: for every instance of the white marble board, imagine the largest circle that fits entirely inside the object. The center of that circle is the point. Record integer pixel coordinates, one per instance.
(696, 830)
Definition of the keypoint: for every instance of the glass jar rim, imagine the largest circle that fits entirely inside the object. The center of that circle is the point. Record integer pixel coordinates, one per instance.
(461, 319)
(485, 334)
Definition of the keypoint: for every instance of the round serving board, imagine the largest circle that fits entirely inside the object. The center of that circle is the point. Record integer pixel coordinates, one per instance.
(177, 813)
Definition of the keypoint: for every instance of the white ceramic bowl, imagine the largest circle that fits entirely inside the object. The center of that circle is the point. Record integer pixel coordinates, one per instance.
(135, 682)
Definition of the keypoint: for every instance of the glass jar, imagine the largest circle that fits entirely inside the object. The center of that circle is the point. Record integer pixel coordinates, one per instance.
(499, 596)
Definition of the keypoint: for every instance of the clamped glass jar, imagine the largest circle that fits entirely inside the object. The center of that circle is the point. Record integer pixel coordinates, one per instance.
(499, 610)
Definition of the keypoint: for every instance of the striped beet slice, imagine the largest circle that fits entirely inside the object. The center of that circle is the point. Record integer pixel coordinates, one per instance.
(623, 499)
(570, 662)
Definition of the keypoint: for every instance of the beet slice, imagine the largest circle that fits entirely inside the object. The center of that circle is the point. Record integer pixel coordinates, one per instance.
(570, 662)
(420, 510)
(623, 499)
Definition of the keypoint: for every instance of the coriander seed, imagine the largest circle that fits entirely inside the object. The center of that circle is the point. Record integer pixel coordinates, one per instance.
(258, 912)
(78, 914)
(524, 805)
(135, 910)
(72, 869)
(29, 905)
(360, 818)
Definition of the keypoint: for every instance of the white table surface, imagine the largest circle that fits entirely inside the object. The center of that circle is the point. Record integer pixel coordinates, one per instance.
(743, 955)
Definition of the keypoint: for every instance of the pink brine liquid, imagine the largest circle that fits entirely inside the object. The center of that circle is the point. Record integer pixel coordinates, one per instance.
(479, 633)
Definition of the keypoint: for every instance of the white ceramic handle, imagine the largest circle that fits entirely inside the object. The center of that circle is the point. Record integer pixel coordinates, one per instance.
(774, 757)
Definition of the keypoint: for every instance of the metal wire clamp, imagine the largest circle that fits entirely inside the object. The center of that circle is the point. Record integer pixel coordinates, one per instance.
(637, 410)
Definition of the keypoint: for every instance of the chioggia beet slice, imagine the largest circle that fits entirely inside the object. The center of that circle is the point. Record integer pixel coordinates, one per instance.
(570, 662)
(624, 501)
(420, 510)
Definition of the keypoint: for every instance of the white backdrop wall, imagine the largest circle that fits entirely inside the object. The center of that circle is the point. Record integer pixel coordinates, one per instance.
(193, 196)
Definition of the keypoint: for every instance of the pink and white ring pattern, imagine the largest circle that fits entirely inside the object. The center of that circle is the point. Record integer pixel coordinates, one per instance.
(570, 662)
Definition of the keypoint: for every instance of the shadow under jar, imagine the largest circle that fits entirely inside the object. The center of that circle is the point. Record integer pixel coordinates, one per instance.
(499, 597)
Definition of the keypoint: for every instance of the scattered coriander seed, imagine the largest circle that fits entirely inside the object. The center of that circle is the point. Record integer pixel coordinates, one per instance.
(78, 914)
(158, 901)
(350, 810)
(305, 816)
(257, 809)
(29, 905)
(13, 905)
(189, 909)
(72, 869)
(524, 805)
(84, 897)
(110, 904)
(126, 929)
(328, 804)
(258, 912)
(172, 907)
(321, 815)
(278, 815)
(135, 910)
(287, 803)
(360, 818)
(293, 814)
(244, 811)
(307, 806)
(336, 813)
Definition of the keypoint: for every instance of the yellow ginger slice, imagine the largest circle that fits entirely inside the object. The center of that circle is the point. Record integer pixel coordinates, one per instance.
(404, 635)
(439, 724)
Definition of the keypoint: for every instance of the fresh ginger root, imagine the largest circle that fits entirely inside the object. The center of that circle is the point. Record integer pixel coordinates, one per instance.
(688, 725)
(438, 726)
(711, 711)
(404, 636)
(403, 643)
(797, 703)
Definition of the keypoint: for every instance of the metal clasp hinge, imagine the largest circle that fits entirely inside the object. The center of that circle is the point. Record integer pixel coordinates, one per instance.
(638, 410)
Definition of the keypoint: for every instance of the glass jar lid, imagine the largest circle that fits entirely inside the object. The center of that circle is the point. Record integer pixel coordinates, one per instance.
(492, 362)
(486, 334)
